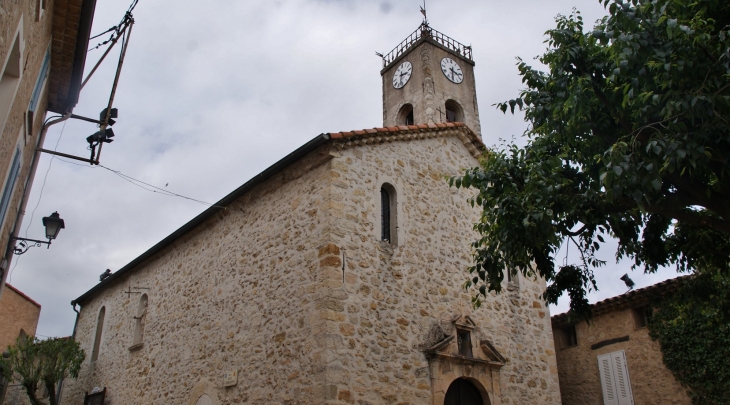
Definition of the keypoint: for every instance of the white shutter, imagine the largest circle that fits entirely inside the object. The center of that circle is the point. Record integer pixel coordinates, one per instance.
(623, 385)
(615, 382)
(608, 386)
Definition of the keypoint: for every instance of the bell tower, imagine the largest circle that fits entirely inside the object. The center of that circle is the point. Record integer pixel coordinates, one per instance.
(429, 78)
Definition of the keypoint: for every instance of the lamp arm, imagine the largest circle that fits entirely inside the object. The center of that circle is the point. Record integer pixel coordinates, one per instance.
(25, 246)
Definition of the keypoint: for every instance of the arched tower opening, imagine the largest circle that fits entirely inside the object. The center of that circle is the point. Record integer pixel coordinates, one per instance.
(454, 112)
(405, 115)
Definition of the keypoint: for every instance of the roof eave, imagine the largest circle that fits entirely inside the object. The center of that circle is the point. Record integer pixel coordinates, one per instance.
(256, 180)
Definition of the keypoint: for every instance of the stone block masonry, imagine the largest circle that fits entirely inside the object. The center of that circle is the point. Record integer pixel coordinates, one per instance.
(292, 287)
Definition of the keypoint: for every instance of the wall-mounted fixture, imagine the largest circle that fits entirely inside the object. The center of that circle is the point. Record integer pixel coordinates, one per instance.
(53, 224)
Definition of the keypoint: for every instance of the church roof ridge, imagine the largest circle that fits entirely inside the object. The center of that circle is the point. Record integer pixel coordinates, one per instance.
(344, 139)
(406, 132)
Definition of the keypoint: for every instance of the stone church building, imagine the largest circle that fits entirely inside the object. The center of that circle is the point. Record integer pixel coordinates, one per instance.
(333, 277)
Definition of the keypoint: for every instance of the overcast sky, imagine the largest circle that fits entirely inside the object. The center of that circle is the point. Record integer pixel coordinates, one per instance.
(214, 92)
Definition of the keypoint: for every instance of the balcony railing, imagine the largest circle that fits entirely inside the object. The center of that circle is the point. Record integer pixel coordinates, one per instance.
(425, 31)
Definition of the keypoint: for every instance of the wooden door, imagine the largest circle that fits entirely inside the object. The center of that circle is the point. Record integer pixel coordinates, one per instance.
(462, 392)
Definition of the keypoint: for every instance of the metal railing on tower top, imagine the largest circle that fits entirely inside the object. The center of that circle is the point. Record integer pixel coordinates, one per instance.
(425, 31)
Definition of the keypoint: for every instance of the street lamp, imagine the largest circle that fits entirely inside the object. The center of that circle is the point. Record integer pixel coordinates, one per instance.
(53, 224)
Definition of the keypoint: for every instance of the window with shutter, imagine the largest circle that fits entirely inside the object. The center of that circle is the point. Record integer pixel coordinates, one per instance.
(615, 382)
(9, 185)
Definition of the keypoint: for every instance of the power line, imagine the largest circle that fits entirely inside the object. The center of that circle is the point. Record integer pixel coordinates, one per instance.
(143, 185)
(156, 189)
(115, 30)
(17, 260)
(40, 196)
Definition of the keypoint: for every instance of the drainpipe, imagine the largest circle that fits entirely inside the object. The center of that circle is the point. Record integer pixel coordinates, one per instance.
(26, 193)
(73, 337)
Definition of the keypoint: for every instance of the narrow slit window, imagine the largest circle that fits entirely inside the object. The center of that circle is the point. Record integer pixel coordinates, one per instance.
(385, 216)
(388, 214)
(97, 337)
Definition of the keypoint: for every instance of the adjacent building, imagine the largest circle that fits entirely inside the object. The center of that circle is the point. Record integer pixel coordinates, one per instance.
(612, 360)
(18, 317)
(43, 47)
(333, 277)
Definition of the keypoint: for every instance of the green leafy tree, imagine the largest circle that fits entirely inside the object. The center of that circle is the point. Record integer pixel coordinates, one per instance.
(693, 330)
(35, 363)
(628, 137)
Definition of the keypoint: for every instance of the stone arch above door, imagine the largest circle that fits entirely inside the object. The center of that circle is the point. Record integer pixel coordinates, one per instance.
(466, 391)
(449, 359)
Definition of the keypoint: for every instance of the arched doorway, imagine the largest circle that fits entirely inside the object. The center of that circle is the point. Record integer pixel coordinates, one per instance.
(463, 392)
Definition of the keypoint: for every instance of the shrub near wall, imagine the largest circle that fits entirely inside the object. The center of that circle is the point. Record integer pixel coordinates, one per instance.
(693, 330)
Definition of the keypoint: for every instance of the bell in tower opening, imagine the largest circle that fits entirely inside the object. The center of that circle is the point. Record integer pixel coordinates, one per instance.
(429, 78)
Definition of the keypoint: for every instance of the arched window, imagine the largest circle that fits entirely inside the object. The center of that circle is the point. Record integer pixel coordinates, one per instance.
(139, 320)
(97, 338)
(454, 113)
(463, 392)
(405, 115)
(388, 211)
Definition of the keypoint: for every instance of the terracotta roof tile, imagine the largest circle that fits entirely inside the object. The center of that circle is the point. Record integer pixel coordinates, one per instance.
(469, 136)
(635, 297)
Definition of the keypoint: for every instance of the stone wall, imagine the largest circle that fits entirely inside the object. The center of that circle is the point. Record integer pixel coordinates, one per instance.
(651, 382)
(292, 288)
(235, 294)
(393, 295)
(35, 40)
(17, 312)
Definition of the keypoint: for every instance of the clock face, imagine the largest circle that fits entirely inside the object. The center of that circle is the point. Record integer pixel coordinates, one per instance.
(451, 70)
(402, 74)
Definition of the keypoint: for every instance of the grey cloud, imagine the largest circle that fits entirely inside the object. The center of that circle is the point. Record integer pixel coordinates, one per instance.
(262, 81)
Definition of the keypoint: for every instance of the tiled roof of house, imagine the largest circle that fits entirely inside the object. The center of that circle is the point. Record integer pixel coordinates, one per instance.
(32, 301)
(631, 299)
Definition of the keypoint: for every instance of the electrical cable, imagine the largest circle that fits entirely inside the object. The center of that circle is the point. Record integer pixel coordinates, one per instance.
(142, 184)
(40, 196)
(17, 260)
(115, 29)
(156, 189)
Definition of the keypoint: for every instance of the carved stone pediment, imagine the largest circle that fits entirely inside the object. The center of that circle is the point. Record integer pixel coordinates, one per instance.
(442, 345)
(491, 352)
(464, 322)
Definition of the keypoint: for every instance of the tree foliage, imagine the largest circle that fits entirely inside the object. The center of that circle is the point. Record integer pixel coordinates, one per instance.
(35, 363)
(693, 330)
(628, 137)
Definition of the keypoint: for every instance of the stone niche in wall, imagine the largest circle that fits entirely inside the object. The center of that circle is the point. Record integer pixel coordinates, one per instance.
(457, 349)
